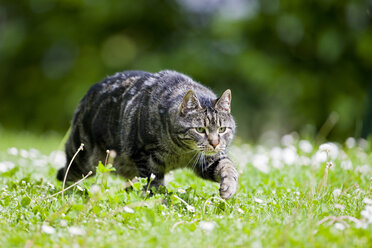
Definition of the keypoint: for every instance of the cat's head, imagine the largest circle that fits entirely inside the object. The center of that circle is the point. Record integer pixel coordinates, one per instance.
(205, 125)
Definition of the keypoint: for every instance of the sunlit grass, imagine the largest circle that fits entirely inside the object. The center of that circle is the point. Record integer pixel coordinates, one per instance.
(279, 201)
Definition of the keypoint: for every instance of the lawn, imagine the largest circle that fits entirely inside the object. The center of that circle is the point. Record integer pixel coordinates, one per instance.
(297, 194)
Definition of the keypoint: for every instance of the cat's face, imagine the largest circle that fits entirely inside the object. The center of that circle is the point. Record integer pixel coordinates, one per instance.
(208, 130)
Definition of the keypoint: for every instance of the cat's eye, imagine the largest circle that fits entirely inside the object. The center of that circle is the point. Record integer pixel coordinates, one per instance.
(200, 129)
(222, 129)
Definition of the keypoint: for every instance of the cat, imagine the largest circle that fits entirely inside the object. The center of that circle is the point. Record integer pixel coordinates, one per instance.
(155, 123)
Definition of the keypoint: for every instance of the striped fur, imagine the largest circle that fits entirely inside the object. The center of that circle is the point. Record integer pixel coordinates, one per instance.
(155, 123)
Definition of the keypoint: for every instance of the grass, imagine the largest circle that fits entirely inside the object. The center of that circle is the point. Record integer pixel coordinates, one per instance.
(279, 202)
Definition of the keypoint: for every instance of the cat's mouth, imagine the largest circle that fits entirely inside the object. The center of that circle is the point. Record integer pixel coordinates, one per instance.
(209, 151)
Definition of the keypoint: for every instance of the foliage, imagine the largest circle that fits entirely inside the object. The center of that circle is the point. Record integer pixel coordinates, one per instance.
(288, 63)
(278, 202)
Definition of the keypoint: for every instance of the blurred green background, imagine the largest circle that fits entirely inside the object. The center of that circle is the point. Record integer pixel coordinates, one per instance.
(292, 65)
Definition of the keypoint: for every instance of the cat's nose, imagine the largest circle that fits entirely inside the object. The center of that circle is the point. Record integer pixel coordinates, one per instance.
(214, 142)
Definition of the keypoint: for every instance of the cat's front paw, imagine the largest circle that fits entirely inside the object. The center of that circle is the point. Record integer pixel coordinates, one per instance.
(228, 187)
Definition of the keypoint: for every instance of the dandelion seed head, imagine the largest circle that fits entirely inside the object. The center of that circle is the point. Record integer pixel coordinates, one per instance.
(289, 155)
(350, 142)
(305, 146)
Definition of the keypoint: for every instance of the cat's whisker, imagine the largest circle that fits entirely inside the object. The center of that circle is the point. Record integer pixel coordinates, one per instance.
(192, 158)
(196, 161)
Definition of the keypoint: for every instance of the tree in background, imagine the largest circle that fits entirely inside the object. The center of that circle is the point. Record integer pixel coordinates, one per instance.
(290, 64)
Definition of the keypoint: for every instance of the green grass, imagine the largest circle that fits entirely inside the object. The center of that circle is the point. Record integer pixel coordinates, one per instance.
(278, 203)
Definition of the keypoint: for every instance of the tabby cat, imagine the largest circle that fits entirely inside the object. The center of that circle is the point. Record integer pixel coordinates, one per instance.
(155, 123)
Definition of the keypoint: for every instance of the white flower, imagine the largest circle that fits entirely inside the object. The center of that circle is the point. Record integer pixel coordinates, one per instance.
(6, 166)
(190, 208)
(169, 177)
(40, 162)
(339, 206)
(319, 157)
(63, 223)
(95, 189)
(303, 160)
(33, 153)
(207, 225)
(361, 224)
(331, 149)
(362, 143)
(240, 210)
(305, 146)
(289, 155)
(325, 147)
(128, 210)
(350, 142)
(258, 200)
(346, 165)
(276, 153)
(76, 230)
(287, 140)
(367, 201)
(182, 191)
(339, 226)
(336, 192)
(364, 169)
(50, 185)
(152, 177)
(367, 213)
(13, 151)
(47, 229)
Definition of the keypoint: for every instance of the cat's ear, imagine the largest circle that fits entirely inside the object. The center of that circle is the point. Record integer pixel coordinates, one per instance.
(189, 102)
(223, 103)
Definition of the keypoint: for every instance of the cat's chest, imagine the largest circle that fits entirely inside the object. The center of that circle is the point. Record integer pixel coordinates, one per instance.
(181, 160)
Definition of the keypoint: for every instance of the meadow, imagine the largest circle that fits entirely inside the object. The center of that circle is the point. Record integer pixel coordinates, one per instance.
(296, 194)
